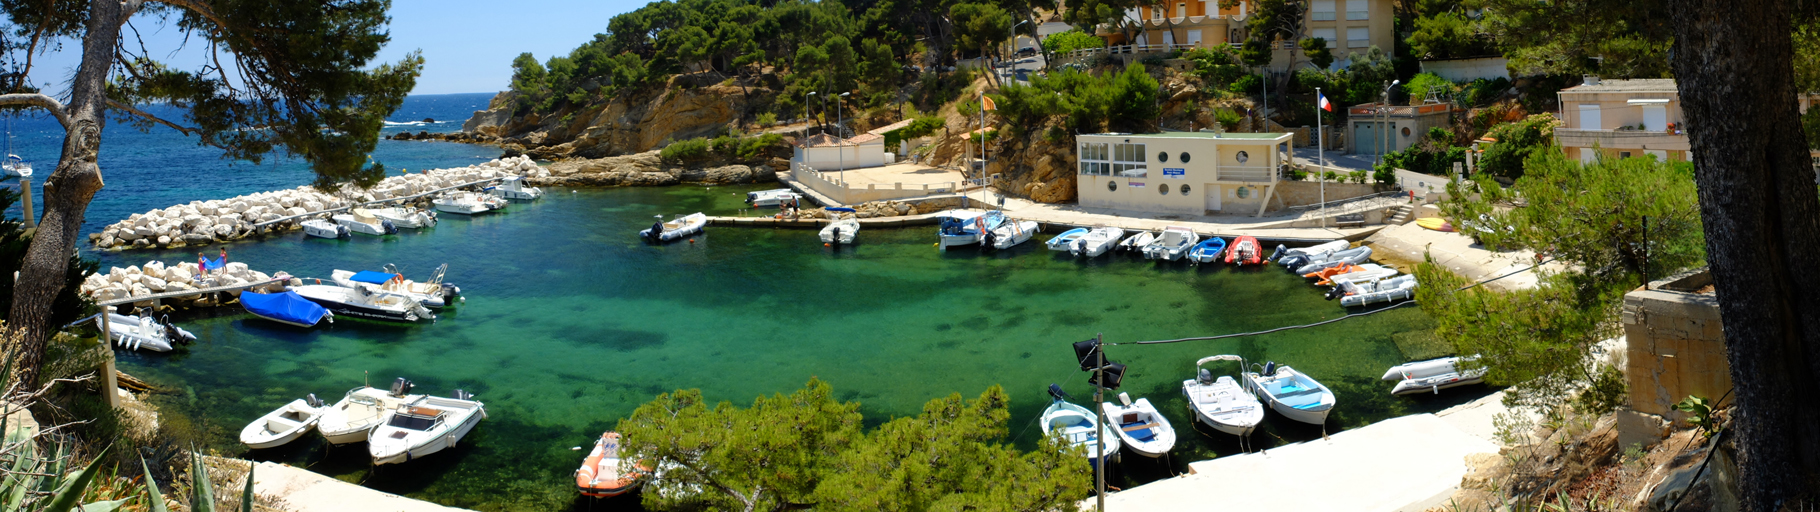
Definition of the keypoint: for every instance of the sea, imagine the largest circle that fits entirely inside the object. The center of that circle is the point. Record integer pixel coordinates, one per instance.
(569, 322)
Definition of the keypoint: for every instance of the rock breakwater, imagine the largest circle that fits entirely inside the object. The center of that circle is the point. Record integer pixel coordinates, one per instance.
(156, 277)
(220, 220)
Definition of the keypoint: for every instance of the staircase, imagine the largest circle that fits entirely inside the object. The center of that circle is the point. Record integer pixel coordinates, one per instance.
(1401, 215)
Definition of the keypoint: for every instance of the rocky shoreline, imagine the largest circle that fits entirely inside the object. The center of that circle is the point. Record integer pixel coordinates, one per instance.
(650, 169)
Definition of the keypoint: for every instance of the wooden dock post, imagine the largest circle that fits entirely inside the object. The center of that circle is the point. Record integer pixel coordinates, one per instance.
(110, 385)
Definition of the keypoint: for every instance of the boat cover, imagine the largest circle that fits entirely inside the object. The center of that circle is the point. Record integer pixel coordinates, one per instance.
(286, 306)
(368, 276)
(839, 209)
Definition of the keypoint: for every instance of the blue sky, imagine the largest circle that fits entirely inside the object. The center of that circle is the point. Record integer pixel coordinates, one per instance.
(467, 45)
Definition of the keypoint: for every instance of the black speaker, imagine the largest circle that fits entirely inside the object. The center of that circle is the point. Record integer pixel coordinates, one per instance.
(1084, 354)
(1114, 373)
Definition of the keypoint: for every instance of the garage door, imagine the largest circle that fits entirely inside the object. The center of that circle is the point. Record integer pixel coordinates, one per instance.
(1365, 138)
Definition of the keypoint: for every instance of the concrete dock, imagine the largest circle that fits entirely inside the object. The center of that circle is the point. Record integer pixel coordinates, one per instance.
(305, 491)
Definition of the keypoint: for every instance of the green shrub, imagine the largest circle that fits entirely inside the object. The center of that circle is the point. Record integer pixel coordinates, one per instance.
(1384, 174)
(1420, 86)
(1218, 66)
(690, 150)
(1227, 118)
(1248, 84)
(1605, 394)
(1061, 43)
(922, 126)
(752, 148)
(766, 119)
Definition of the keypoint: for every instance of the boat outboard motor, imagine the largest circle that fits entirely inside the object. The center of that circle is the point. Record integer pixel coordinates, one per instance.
(1278, 253)
(1336, 292)
(1270, 368)
(1204, 376)
(657, 230)
(312, 400)
(389, 228)
(836, 238)
(401, 387)
(1055, 391)
(986, 240)
(171, 332)
(1080, 246)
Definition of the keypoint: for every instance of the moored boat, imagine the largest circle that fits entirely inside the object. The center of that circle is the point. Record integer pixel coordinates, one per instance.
(283, 425)
(772, 197)
(367, 303)
(403, 217)
(1299, 256)
(286, 307)
(841, 231)
(514, 187)
(1222, 403)
(464, 203)
(1137, 242)
(1065, 241)
(325, 229)
(433, 294)
(1351, 256)
(360, 221)
(1365, 273)
(353, 418)
(1078, 426)
(1009, 233)
(676, 229)
(1381, 290)
(15, 166)
(1140, 427)
(1097, 241)
(141, 332)
(424, 426)
(1243, 251)
(1208, 251)
(965, 228)
(1432, 375)
(1175, 242)
(603, 473)
(1291, 393)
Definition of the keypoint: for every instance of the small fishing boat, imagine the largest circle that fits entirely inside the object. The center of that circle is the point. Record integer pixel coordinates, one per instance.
(286, 307)
(1432, 375)
(1010, 233)
(841, 231)
(1351, 256)
(1291, 393)
(514, 187)
(1078, 426)
(409, 218)
(965, 228)
(1244, 251)
(772, 197)
(1365, 273)
(464, 203)
(1137, 242)
(678, 228)
(1292, 257)
(1175, 242)
(1097, 242)
(1141, 427)
(141, 332)
(1065, 241)
(1383, 290)
(360, 221)
(1208, 251)
(424, 426)
(352, 418)
(325, 229)
(601, 475)
(363, 302)
(283, 425)
(433, 294)
(1222, 403)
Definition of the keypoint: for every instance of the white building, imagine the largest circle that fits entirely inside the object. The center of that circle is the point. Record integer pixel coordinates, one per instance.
(826, 152)
(1181, 172)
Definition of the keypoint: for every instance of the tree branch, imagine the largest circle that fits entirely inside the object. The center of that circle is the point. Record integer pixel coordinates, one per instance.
(195, 6)
(134, 111)
(41, 101)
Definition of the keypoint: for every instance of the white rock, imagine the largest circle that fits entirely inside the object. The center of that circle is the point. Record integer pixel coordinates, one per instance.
(140, 289)
(236, 268)
(152, 283)
(224, 230)
(178, 275)
(312, 206)
(296, 210)
(144, 232)
(164, 239)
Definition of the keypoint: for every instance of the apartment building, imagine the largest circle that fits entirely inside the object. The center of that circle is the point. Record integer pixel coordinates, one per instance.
(1348, 26)
(1622, 118)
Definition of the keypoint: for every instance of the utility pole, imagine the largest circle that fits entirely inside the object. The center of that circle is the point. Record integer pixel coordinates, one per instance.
(840, 111)
(1099, 437)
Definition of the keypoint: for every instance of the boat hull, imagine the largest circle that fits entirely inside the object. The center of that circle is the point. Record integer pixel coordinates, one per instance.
(1144, 417)
(341, 306)
(1066, 240)
(434, 444)
(259, 434)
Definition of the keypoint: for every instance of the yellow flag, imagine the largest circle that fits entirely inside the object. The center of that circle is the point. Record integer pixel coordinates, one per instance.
(987, 104)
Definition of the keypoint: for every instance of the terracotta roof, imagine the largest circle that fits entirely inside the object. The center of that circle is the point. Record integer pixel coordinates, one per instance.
(893, 126)
(864, 138)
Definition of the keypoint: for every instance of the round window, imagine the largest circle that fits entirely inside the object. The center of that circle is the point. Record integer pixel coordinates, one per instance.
(1112, 186)
(1162, 157)
(1242, 157)
(1244, 192)
(1184, 188)
(1163, 189)
(1184, 157)
(1406, 131)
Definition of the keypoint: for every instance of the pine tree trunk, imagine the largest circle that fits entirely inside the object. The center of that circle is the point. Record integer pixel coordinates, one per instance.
(67, 192)
(1762, 222)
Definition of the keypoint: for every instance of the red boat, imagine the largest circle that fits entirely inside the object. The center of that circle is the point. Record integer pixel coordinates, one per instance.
(600, 475)
(1245, 251)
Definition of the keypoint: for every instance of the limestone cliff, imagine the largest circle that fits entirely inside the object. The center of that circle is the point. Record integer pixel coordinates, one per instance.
(647, 168)
(685, 107)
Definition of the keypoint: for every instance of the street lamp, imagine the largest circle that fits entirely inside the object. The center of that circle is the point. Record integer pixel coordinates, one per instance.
(1020, 23)
(1384, 119)
(839, 134)
(806, 107)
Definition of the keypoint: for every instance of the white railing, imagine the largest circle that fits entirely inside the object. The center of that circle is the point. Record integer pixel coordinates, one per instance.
(1131, 49)
(1242, 173)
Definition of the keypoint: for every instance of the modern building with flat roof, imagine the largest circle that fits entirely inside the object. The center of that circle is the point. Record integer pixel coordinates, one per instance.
(1192, 173)
(1622, 118)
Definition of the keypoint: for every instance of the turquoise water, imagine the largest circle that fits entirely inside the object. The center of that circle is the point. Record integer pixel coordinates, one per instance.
(570, 323)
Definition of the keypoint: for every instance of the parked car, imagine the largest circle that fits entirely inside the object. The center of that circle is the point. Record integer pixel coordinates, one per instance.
(1027, 51)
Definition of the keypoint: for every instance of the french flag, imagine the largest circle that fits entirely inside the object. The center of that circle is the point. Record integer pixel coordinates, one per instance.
(1324, 104)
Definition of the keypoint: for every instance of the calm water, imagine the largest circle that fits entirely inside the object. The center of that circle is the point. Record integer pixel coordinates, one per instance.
(571, 323)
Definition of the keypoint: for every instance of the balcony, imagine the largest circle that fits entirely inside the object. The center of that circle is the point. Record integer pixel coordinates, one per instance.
(1621, 139)
(1245, 174)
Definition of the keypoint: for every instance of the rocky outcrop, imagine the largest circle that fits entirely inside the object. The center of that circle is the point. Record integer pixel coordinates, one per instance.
(156, 277)
(627, 123)
(649, 169)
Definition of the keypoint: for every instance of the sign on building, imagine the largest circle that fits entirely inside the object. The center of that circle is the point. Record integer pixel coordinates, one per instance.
(1137, 184)
(1175, 174)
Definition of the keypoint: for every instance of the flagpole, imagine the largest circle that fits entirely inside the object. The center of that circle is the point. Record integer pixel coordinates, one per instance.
(983, 157)
(1321, 152)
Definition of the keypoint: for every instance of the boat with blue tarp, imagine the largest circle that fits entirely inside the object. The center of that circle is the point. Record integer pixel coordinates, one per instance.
(285, 307)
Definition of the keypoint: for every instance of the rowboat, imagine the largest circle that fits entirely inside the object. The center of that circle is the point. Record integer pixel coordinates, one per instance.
(1066, 240)
(1140, 426)
(1291, 393)
(1222, 403)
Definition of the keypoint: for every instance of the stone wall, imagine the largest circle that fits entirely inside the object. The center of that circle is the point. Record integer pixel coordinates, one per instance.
(1298, 193)
(1676, 345)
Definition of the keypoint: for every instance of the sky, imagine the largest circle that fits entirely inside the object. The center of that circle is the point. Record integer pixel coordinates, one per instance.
(468, 45)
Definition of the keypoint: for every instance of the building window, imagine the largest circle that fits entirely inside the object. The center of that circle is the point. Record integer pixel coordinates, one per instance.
(1331, 35)
(1181, 10)
(1244, 192)
(1623, 154)
(1162, 157)
(1184, 157)
(1156, 13)
(1323, 10)
(1358, 37)
(1356, 10)
(1184, 189)
(1112, 186)
(1242, 157)
(1162, 189)
(1095, 158)
(1128, 160)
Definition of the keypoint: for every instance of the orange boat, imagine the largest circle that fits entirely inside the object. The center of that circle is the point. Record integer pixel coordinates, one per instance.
(1335, 270)
(1244, 251)
(600, 476)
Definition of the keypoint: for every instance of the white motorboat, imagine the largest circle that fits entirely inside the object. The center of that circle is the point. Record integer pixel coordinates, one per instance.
(1382, 290)
(403, 217)
(433, 293)
(1358, 280)
(359, 221)
(1078, 426)
(141, 332)
(1432, 375)
(514, 187)
(1010, 233)
(964, 227)
(1065, 241)
(283, 425)
(1140, 426)
(772, 197)
(1097, 242)
(1297, 256)
(424, 426)
(1138, 241)
(1351, 256)
(841, 231)
(465, 203)
(1175, 242)
(1291, 393)
(325, 229)
(351, 419)
(1222, 403)
(363, 302)
(676, 229)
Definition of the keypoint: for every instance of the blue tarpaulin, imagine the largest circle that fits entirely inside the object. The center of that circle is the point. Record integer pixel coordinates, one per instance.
(209, 264)
(368, 276)
(287, 307)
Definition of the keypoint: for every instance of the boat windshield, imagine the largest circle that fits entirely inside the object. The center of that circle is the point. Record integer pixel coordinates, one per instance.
(411, 422)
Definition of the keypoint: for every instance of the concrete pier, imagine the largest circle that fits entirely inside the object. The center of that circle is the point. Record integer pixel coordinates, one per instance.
(304, 491)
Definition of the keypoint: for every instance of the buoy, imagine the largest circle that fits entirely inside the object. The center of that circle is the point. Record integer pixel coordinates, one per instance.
(824, 245)
(691, 240)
